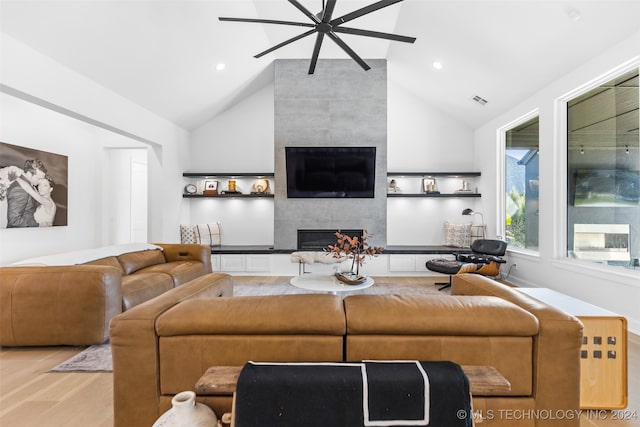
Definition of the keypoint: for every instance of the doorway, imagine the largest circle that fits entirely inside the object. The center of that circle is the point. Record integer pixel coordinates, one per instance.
(126, 196)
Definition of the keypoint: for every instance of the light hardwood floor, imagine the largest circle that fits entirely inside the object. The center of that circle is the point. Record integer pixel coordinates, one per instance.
(30, 396)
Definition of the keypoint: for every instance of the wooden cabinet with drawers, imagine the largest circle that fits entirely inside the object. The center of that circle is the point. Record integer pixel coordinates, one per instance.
(603, 358)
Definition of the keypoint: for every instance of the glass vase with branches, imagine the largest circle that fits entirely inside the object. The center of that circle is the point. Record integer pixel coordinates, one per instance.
(355, 247)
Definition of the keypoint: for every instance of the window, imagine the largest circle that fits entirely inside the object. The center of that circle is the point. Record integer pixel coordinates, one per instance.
(603, 173)
(522, 184)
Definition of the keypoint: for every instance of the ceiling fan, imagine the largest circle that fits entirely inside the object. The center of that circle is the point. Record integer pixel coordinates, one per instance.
(323, 24)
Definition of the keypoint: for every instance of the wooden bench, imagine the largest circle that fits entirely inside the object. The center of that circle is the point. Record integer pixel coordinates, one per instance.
(222, 380)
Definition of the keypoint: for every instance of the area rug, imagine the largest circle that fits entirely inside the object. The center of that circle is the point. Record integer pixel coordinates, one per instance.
(97, 358)
(382, 286)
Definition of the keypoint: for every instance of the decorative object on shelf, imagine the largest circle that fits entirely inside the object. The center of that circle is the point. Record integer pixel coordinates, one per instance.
(190, 189)
(260, 186)
(356, 248)
(231, 187)
(477, 231)
(210, 188)
(429, 186)
(393, 186)
(187, 412)
(464, 188)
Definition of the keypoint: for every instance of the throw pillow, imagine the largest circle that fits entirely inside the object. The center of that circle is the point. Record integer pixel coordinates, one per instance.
(208, 234)
(458, 235)
(187, 234)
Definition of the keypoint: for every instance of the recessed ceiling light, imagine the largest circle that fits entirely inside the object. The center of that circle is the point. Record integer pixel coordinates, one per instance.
(220, 67)
(437, 65)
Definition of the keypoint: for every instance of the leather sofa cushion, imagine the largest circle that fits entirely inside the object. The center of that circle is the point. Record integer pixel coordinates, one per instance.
(183, 359)
(180, 271)
(437, 315)
(256, 315)
(134, 261)
(109, 261)
(140, 287)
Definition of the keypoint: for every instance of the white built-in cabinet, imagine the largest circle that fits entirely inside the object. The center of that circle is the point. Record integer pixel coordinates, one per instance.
(242, 263)
(281, 265)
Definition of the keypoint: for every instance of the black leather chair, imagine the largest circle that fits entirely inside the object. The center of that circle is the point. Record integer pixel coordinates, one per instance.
(485, 260)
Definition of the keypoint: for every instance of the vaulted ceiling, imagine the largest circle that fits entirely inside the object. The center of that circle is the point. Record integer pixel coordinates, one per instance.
(162, 55)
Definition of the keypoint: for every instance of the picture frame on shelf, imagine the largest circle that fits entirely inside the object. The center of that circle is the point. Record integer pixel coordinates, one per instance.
(210, 185)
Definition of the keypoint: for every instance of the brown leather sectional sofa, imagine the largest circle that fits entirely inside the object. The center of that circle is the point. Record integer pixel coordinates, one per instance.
(163, 346)
(73, 304)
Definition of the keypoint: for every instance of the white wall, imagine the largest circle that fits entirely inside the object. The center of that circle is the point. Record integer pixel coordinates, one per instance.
(614, 289)
(46, 106)
(423, 139)
(239, 140)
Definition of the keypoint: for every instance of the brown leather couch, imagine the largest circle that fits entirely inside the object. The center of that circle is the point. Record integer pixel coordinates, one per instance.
(73, 304)
(163, 346)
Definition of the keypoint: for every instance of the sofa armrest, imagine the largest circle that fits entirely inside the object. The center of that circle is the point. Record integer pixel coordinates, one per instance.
(134, 346)
(556, 383)
(184, 251)
(58, 305)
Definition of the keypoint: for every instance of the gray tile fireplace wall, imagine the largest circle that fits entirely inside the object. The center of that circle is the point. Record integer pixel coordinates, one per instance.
(339, 105)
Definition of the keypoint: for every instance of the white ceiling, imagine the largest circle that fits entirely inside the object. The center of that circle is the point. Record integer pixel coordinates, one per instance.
(162, 54)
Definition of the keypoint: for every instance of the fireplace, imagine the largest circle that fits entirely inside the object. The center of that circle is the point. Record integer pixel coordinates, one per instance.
(316, 240)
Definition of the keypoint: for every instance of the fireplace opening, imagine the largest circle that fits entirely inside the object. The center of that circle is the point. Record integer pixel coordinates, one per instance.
(316, 240)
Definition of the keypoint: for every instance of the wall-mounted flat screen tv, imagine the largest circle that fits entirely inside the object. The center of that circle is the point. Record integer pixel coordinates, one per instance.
(607, 188)
(330, 172)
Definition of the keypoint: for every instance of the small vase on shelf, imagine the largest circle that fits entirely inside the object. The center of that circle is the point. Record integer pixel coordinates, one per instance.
(186, 412)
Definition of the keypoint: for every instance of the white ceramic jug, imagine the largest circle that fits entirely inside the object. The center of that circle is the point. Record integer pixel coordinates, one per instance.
(186, 412)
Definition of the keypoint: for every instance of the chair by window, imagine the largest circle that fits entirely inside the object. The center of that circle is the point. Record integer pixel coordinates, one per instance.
(485, 259)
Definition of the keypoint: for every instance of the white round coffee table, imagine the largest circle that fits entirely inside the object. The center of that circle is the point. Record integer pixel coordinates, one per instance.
(327, 283)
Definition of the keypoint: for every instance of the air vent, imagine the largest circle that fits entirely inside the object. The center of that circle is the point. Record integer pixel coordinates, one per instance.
(480, 100)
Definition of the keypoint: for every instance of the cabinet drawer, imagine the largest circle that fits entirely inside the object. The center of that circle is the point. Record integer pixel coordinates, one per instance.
(232, 262)
(258, 263)
(402, 263)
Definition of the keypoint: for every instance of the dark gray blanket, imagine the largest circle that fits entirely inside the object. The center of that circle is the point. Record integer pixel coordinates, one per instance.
(375, 393)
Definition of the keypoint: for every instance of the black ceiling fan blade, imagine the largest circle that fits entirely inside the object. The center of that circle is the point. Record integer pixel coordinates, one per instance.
(266, 21)
(316, 52)
(377, 34)
(306, 11)
(348, 50)
(286, 42)
(328, 11)
(363, 11)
